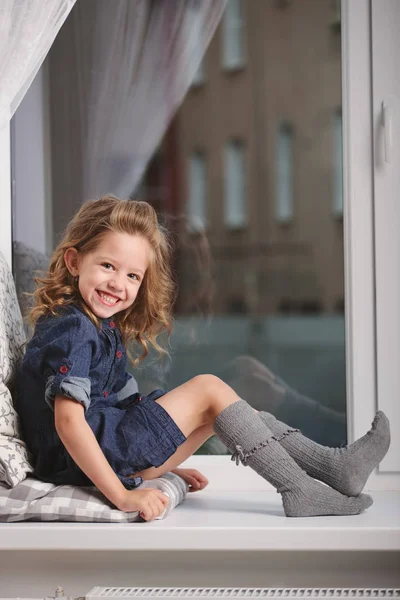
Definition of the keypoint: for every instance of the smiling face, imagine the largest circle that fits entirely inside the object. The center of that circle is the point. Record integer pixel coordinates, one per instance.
(110, 275)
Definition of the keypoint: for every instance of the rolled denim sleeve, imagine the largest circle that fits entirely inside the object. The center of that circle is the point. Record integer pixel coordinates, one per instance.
(126, 386)
(70, 343)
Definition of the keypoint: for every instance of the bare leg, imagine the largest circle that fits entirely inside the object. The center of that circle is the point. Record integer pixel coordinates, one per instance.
(193, 406)
(205, 404)
(197, 402)
(193, 443)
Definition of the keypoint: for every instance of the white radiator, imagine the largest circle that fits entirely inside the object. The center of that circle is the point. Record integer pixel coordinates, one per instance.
(116, 593)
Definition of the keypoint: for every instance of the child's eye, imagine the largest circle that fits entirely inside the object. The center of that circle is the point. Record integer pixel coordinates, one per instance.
(107, 265)
(134, 276)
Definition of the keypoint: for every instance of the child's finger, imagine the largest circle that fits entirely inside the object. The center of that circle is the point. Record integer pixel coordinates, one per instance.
(200, 477)
(203, 481)
(194, 485)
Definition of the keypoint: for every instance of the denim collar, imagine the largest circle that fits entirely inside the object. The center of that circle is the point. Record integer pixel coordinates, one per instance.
(108, 323)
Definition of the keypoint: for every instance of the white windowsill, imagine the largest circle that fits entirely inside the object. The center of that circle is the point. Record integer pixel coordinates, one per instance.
(238, 511)
(216, 520)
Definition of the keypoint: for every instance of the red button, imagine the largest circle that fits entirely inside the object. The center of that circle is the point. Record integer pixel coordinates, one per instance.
(63, 369)
(105, 394)
(119, 354)
(112, 324)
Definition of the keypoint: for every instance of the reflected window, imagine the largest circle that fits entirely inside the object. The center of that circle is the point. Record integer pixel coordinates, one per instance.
(235, 185)
(200, 76)
(284, 174)
(195, 32)
(197, 191)
(233, 53)
(337, 203)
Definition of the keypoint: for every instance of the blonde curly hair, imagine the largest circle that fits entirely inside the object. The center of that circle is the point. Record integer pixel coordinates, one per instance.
(152, 312)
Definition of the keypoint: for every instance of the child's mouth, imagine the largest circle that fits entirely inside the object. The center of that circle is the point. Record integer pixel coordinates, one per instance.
(106, 299)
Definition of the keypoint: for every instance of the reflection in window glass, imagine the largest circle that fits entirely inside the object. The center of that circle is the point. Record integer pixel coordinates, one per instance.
(233, 35)
(197, 192)
(284, 174)
(271, 323)
(195, 34)
(200, 76)
(235, 190)
(259, 304)
(338, 164)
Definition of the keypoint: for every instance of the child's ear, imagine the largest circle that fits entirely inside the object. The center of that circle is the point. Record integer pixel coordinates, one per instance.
(71, 256)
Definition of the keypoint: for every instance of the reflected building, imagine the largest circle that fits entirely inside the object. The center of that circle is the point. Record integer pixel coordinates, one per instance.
(253, 159)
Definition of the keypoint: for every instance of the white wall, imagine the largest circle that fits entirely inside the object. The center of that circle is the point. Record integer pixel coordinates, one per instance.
(38, 574)
(31, 141)
(5, 193)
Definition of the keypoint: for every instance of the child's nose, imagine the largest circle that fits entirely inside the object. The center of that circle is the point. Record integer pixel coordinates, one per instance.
(116, 283)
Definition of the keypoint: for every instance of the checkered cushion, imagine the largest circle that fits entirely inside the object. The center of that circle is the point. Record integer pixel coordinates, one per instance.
(34, 500)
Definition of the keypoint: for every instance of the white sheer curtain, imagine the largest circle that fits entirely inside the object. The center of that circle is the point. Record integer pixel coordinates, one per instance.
(134, 73)
(27, 30)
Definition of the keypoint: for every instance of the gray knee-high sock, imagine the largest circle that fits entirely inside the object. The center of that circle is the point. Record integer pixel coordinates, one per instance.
(243, 432)
(344, 469)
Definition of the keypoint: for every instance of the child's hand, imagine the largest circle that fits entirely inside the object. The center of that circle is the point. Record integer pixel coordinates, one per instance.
(149, 502)
(194, 478)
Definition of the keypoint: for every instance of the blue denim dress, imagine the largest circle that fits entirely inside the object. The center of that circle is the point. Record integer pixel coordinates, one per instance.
(68, 355)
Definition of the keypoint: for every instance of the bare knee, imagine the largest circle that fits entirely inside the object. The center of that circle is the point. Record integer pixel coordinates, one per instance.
(215, 393)
(208, 385)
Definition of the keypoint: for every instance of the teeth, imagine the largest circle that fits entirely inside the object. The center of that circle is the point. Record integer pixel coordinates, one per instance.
(108, 299)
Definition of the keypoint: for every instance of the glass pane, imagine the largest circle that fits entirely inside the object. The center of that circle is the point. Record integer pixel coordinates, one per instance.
(260, 304)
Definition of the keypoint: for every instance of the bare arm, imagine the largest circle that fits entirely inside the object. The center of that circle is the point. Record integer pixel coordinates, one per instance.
(83, 447)
(81, 444)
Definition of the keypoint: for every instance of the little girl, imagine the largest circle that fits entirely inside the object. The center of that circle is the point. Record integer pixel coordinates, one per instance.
(109, 283)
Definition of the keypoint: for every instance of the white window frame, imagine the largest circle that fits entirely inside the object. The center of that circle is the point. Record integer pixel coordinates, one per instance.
(233, 36)
(358, 224)
(235, 197)
(386, 183)
(284, 173)
(197, 191)
(358, 229)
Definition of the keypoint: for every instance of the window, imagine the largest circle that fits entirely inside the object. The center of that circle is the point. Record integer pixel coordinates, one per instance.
(195, 31)
(337, 203)
(284, 208)
(228, 341)
(197, 191)
(233, 55)
(235, 185)
(200, 75)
